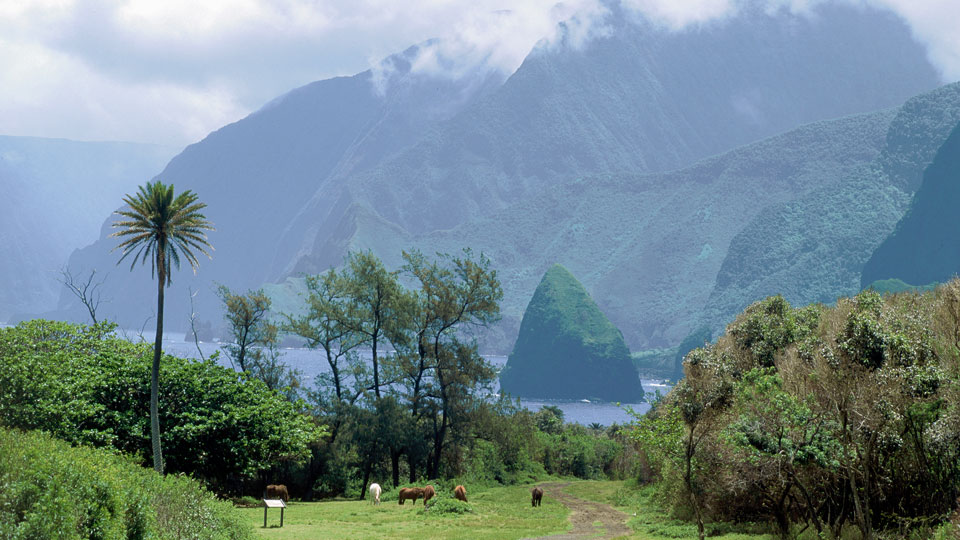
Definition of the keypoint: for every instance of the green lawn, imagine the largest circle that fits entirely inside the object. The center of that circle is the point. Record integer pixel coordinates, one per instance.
(498, 513)
(647, 519)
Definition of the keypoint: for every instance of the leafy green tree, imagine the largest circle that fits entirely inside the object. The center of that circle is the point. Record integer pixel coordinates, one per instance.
(327, 325)
(255, 348)
(549, 419)
(162, 228)
(782, 436)
(372, 311)
(455, 293)
(248, 322)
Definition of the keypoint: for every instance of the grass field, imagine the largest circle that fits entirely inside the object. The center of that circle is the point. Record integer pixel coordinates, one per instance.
(498, 513)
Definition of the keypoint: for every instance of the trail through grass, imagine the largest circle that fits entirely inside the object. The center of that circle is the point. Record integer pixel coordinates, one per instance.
(647, 520)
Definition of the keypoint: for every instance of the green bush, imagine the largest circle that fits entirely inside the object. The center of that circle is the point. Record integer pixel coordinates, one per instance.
(86, 386)
(51, 490)
(447, 506)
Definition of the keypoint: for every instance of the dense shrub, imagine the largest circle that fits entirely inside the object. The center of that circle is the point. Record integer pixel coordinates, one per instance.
(51, 490)
(86, 386)
(827, 418)
(447, 506)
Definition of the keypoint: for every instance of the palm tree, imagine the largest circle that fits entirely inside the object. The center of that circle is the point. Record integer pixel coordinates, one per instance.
(161, 228)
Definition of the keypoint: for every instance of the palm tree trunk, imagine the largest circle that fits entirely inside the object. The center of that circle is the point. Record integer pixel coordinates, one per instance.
(155, 372)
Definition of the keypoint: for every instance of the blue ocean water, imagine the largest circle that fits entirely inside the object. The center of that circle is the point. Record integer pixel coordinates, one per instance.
(311, 362)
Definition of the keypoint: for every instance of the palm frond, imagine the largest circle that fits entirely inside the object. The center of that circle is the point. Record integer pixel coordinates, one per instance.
(157, 222)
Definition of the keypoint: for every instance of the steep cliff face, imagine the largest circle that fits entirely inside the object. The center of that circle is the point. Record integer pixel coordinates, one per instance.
(813, 248)
(568, 349)
(923, 248)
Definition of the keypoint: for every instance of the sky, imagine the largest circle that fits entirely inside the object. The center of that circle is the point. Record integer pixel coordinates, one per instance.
(171, 71)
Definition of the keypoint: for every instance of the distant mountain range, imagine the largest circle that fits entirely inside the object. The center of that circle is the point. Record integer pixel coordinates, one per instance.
(56, 193)
(566, 160)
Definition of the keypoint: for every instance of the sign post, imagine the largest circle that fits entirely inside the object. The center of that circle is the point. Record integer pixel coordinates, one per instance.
(273, 503)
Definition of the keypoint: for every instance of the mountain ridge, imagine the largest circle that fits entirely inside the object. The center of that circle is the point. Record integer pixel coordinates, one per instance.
(562, 116)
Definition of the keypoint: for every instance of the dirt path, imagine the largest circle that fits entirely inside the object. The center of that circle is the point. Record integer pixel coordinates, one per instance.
(589, 519)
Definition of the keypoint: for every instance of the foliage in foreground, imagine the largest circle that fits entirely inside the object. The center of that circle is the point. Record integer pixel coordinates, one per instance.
(86, 386)
(818, 418)
(51, 490)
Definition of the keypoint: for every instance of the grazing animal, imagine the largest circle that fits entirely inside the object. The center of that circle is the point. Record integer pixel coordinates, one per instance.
(460, 493)
(410, 493)
(537, 494)
(428, 494)
(375, 493)
(277, 491)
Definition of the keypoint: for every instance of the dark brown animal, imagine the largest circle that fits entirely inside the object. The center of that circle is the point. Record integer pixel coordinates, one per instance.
(277, 491)
(537, 494)
(460, 493)
(428, 494)
(410, 493)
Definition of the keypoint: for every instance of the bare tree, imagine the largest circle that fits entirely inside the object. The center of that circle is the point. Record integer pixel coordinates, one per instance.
(193, 324)
(88, 292)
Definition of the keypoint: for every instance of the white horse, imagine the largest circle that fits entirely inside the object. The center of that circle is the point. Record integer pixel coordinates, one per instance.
(375, 493)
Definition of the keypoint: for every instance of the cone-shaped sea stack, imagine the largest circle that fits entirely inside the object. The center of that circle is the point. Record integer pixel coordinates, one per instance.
(568, 349)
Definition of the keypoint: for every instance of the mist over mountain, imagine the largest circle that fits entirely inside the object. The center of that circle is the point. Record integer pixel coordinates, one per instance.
(55, 195)
(564, 161)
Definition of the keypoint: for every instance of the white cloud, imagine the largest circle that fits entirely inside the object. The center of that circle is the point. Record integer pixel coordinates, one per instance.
(679, 14)
(500, 40)
(50, 94)
(934, 23)
(171, 71)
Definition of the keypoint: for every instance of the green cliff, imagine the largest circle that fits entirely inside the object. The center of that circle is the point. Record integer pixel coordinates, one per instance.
(568, 349)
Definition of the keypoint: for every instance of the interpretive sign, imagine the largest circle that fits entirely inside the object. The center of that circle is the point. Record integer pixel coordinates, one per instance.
(273, 503)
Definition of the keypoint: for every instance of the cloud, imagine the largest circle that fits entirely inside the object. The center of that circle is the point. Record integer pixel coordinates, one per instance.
(171, 71)
(499, 40)
(46, 93)
(678, 15)
(933, 23)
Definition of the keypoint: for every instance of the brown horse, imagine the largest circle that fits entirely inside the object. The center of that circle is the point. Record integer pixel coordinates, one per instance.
(428, 494)
(410, 493)
(460, 493)
(277, 491)
(537, 494)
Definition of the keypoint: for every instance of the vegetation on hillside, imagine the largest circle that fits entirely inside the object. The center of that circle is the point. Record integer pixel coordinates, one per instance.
(649, 247)
(818, 418)
(53, 490)
(814, 248)
(567, 348)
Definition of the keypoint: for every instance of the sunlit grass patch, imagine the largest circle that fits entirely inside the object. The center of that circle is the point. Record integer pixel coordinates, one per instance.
(497, 513)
